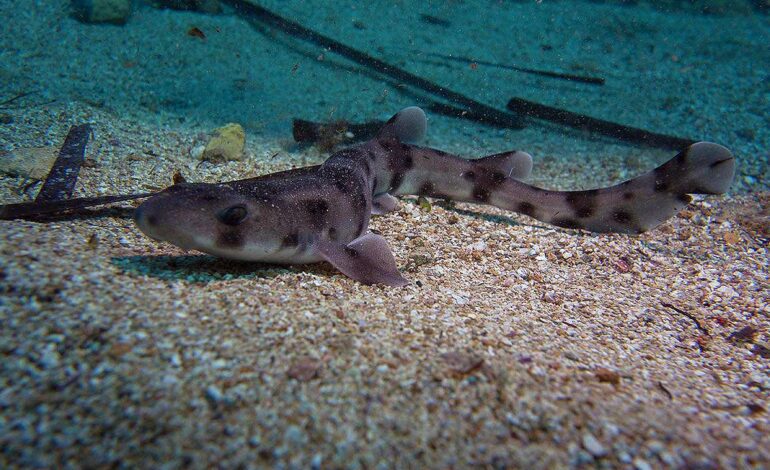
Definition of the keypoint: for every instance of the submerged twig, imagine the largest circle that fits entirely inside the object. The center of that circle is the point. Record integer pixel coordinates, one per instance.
(688, 315)
(60, 182)
(18, 96)
(292, 28)
(665, 390)
(38, 209)
(597, 126)
(543, 73)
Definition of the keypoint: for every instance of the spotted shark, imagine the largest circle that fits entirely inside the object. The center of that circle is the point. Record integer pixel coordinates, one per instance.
(322, 213)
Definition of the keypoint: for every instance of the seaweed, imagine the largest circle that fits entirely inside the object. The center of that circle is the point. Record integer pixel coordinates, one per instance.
(597, 126)
(254, 11)
(60, 182)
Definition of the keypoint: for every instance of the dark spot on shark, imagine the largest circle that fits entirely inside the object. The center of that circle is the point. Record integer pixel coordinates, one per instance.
(230, 239)
(481, 194)
(388, 144)
(469, 175)
(371, 155)
(526, 208)
(361, 228)
(351, 252)
(426, 189)
(684, 198)
(399, 165)
(628, 195)
(623, 217)
(566, 222)
(395, 181)
(290, 241)
(583, 203)
(317, 207)
(498, 178)
(332, 233)
(661, 185)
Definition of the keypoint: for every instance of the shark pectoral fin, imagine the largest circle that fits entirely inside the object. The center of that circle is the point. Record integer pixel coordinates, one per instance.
(366, 259)
(384, 203)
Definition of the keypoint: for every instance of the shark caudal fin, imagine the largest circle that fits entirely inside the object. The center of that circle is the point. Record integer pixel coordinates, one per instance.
(408, 126)
(701, 168)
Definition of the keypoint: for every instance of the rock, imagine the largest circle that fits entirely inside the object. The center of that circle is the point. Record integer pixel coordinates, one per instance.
(102, 11)
(226, 144)
(304, 369)
(28, 162)
(593, 446)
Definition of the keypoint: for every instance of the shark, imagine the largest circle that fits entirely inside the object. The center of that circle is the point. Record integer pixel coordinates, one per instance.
(322, 213)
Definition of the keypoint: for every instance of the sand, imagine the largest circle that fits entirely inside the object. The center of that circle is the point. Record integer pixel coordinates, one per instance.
(516, 345)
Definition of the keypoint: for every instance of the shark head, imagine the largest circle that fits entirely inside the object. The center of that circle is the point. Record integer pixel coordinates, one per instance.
(212, 218)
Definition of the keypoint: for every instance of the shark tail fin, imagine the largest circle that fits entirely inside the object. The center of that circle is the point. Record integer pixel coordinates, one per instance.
(701, 168)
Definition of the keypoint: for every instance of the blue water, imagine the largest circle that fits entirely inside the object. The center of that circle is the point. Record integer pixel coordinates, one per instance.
(673, 71)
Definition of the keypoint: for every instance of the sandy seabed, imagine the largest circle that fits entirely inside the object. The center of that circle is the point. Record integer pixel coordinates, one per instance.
(514, 345)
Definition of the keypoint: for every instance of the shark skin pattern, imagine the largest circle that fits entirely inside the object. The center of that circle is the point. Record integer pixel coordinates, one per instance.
(322, 213)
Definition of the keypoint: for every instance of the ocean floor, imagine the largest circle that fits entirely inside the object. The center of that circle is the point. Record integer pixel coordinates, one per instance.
(515, 344)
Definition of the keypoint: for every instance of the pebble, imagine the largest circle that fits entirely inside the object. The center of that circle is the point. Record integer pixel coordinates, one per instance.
(592, 445)
(50, 357)
(640, 464)
(214, 394)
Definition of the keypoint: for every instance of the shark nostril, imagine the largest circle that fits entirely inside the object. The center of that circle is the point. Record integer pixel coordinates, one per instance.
(151, 220)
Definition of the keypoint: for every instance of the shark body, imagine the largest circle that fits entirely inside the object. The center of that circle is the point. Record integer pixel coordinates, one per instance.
(322, 213)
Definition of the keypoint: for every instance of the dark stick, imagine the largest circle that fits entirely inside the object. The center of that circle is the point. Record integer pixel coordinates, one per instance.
(33, 210)
(544, 73)
(60, 182)
(598, 126)
(688, 315)
(14, 98)
(297, 30)
(455, 112)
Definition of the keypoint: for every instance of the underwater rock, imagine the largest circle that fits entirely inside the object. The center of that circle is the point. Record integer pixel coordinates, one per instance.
(29, 162)
(204, 6)
(226, 144)
(102, 11)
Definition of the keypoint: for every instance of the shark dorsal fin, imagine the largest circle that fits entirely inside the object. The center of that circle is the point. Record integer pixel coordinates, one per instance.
(408, 126)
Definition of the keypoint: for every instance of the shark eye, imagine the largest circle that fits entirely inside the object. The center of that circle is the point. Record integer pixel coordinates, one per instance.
(233, 215)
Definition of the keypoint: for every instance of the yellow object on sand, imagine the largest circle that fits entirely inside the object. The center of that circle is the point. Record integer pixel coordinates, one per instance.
(226, 144)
